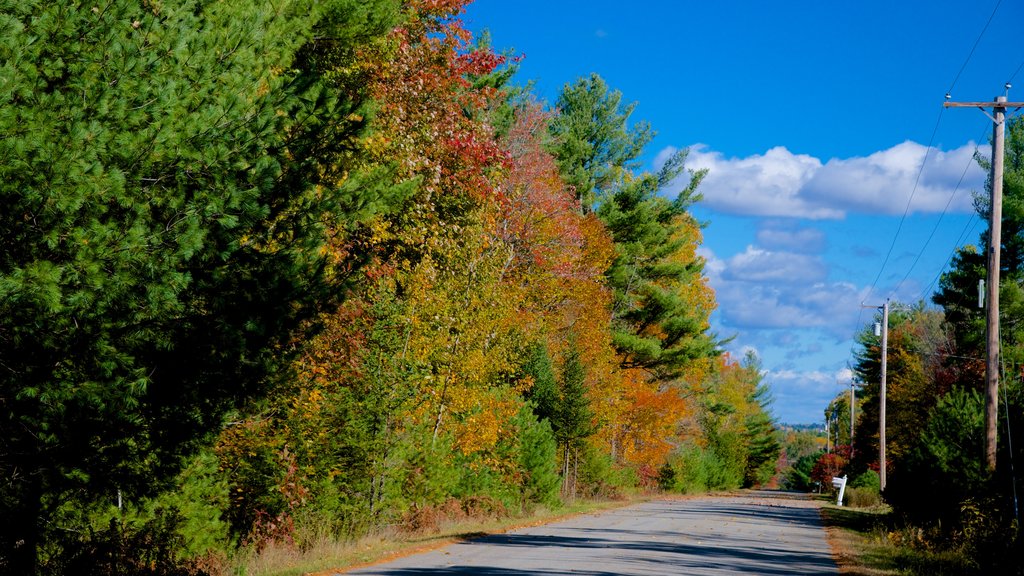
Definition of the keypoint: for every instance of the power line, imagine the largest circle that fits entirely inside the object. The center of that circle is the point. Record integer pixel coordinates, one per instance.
(1014, 75)
(938, 120)
(906, 210)
(935, 228)
(971, 223)
(974, 47)
(968, 228)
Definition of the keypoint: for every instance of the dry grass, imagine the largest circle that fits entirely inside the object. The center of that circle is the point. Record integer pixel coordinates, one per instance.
(867, 542)
(327, 556)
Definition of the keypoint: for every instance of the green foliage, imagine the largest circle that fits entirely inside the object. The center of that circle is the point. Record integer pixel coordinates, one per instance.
(916, 378)
(657, 326)
(759, 432)
(167, 181)
(700, 469)
(593, 142)
(945, 468)
(599, 476)
(798, 476)
(573, 417)
(181, 527)
(861, 497)
(763, 449)
(544, 394)
(869, 479)
(428, 469)
(864, 490)
(537, 460)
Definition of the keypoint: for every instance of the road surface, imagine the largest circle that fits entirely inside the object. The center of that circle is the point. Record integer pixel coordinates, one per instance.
(758, 532)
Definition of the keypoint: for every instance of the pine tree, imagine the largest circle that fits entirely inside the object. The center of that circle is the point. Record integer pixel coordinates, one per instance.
(168, 174)
(573, 420)
(657, 323)
(659, 320)
(593, 142)
(544, 394)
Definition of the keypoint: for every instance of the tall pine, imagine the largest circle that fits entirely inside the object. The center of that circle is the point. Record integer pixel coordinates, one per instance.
(168, 174)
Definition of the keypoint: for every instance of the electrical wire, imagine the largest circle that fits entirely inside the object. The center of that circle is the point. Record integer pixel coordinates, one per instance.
(1014, 75)
(1009, 435)
(974, 47)
(1009, 446)
(968, 228)
(952, 85)
(935, 228)
(917, 180)
(910, 200)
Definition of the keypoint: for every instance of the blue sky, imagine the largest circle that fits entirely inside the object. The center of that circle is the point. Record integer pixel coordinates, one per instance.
(813, 119)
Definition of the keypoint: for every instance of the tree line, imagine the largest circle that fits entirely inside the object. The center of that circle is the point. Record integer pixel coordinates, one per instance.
(271, 271)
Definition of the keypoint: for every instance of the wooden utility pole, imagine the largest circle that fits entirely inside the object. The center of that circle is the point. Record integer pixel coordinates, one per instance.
(884, 329)
(881, 396)
(998, 116)
(852, 403)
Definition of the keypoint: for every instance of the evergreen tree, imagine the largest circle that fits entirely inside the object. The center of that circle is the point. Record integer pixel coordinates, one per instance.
(657, 323)
(593, 142)
(573, 418)
(761, 438)
(544, 394)
(167, 177)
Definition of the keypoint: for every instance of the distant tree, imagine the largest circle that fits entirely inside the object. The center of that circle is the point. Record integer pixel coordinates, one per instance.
(761, 436)
(916, 351)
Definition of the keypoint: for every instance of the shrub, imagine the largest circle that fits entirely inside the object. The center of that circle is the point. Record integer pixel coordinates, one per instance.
(600, 477)
(699, 469)
(861, 497)
(827, 467)
(867, 479)
(667, 478)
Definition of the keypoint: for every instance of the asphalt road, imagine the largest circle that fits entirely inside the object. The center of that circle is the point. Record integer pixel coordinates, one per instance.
(751, 533)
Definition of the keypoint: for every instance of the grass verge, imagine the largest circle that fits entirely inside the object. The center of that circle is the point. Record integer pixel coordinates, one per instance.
(871, 542)
(328, 557)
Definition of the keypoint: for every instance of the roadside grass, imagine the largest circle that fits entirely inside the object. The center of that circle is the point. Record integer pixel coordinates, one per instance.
(872, 542)
(328, 556)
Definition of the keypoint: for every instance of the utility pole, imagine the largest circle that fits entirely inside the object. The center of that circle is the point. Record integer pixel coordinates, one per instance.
(851, 417)
(881, 396)
(998, 116)
(882, 330)
(828, 436)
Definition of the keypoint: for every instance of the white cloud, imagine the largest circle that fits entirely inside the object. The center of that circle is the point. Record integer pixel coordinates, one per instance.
(780, 183)
(800, 396)
(775, 234)
(759, 265)
(761, 289)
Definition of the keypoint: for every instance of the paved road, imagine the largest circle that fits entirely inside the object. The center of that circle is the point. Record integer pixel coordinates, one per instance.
(751, 533)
